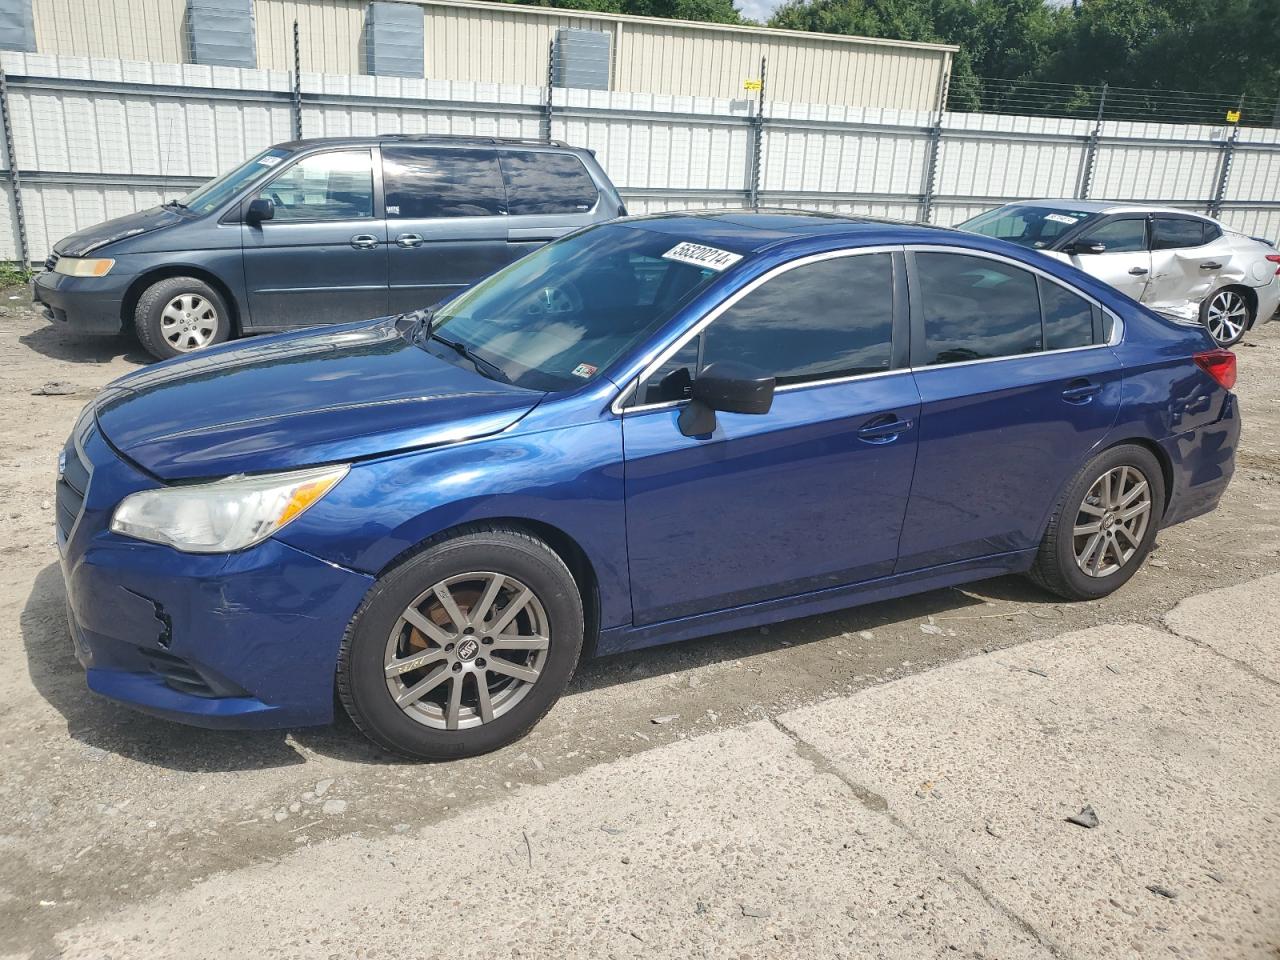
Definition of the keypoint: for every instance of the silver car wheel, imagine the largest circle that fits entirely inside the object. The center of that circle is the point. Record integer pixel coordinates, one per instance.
(1112, 521)
(189, 322)
(467, 650)
(1228, 313)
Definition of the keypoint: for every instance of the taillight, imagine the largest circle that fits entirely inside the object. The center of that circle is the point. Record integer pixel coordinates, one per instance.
(1219, 364)
(1275, 258)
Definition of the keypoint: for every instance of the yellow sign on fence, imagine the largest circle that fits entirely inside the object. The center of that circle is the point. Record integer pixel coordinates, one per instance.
(1233, 116)
(750, 84)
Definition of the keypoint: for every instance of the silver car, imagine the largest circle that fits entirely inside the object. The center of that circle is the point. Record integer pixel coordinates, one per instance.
(1181, 264)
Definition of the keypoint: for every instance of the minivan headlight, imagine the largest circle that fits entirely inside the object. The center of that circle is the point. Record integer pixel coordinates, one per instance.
(83, 267)
(226, 515)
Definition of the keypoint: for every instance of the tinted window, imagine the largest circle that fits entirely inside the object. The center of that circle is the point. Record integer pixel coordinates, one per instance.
(833, 318)
(325, 186)
(1068, 319)
(421, 183)
(1034, 227)
(1211, 232)
(1120, 236)
(546, 183)
(976, 308)
(1169, 233)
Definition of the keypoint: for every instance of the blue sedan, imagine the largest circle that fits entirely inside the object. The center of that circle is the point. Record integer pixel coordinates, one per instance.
(650, 430)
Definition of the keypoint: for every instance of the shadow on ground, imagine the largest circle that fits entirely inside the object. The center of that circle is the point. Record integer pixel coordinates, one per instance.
(99, 723)
(59, 343)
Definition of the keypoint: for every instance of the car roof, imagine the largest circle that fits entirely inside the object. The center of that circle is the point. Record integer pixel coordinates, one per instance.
(1105, 206)
(751, 231)
(444, 140)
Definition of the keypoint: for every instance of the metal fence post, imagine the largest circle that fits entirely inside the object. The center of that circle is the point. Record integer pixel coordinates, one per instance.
(1224, 165)
(547, 108)
(757, 135)
(935, 145)
(1091, 149)
(297, 83)
(15, 180)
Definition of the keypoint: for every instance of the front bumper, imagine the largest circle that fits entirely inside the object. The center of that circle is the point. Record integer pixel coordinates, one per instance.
(245, 640)
(82, 304)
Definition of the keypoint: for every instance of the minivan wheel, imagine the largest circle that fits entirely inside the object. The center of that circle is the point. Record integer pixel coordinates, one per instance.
(1227, 315)
(179, 315)
(464, 647)
(1104, 527)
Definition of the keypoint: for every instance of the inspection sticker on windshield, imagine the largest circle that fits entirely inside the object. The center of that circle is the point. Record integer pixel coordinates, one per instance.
(1061, 218)
(584, 370)
(700, 256)
(268, 161)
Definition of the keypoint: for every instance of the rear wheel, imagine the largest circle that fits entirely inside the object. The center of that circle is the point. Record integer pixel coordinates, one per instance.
(1227, 315)
(179, 315)
(464, 647)
(1104, 527)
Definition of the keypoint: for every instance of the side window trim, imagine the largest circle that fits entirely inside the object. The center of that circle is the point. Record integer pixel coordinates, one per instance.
(375, 173)
(624, 402)
(917, 315)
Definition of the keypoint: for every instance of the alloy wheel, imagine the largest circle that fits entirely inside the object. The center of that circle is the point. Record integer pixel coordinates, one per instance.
(189, 322)
(1227, 315)
(467, 650)
(1112, 521)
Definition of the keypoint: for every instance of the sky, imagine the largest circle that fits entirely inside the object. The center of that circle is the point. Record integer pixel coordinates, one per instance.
(758, 9)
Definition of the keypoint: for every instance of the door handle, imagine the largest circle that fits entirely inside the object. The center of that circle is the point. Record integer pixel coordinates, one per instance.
(1081, 391)
(364, 241)
(1211, 265)
(884, 429)
(1138, 271)
(409, 240)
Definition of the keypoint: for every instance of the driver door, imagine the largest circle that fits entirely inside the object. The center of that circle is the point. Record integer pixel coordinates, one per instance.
(322, 258)
(1126, 262)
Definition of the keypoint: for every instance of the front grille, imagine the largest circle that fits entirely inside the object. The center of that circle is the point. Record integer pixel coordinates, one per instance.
(70, 490)
(51, 261)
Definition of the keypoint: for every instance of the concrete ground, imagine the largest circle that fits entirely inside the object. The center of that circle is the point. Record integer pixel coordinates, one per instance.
(890, 781)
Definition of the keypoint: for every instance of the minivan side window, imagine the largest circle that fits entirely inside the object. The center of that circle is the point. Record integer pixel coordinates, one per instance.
(1171, 233)
(1128, 235)
(324, 186)
(423, 183)
(542, 182)
(975, 308)
(819, 321)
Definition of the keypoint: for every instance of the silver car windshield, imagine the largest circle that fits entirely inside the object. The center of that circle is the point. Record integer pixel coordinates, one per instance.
(1028, 226)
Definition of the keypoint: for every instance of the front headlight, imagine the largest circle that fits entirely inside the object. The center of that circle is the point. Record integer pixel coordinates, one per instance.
(83, 267)
(228, 515)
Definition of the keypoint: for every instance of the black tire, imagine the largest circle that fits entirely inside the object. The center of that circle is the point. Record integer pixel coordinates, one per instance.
(1056, 567)
(1243, 299)
(149, 314)
(361, 678)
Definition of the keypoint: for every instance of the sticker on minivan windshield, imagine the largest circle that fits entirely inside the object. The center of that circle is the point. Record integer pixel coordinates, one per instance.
(1061, 218)
(268, 161)
(700, 256)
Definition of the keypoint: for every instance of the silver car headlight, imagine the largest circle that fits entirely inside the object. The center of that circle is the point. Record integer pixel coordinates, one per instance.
(227, 515)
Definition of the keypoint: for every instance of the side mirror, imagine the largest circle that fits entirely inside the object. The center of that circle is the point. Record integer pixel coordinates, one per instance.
(726, 387)
(259, 209)
(1085, 246)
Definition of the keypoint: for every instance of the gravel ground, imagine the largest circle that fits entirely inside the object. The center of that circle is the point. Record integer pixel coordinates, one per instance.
(101, 808)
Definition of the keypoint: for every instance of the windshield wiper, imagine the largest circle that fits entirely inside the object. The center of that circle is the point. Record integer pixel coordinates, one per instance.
(495, 372)
(176, 204)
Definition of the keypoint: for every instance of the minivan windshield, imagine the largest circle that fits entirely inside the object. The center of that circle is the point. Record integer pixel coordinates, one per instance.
(1028, 226)
(558, 317)
(216, 192)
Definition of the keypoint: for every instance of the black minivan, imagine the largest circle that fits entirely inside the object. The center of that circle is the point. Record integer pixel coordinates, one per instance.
(322, 231)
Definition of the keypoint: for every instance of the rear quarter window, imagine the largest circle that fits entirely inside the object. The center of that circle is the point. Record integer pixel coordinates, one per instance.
(542, 182)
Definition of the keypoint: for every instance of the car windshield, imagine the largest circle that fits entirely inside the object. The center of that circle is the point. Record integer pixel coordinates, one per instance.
(558, 317)
(1027, 226)
(213, 194)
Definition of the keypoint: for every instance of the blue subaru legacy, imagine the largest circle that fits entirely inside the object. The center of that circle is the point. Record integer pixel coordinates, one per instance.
(649, 430)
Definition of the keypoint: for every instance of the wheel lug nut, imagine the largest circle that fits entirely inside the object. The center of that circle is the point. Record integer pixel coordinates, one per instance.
(480, 663)
(486, 640)
(457, 667)
(448, 648)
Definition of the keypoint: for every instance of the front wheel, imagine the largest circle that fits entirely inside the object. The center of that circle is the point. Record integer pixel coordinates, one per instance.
(464, 647)
(1104, 527)
(1226, 315)
(179, 315)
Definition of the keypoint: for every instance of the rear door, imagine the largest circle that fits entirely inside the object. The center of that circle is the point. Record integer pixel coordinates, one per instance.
(1017, 386)
(446, 220)
(1188, 255)
(1126, 262)
(323, 257)
(548, 195)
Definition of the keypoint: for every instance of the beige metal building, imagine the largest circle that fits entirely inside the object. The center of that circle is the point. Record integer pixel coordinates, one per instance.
(506, 43)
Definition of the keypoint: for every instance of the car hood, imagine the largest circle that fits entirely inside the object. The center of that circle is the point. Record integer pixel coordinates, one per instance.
(321, 396)
(121, 228)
